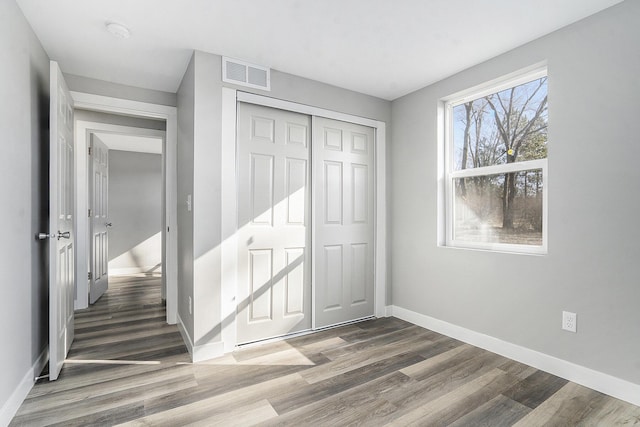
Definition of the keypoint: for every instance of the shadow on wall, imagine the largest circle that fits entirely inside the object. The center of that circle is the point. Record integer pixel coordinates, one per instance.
(40, 205)
(135, 210)
(260, 295)
(145, 257)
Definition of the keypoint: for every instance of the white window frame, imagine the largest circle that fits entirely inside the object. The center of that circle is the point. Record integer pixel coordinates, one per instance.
(450, 174)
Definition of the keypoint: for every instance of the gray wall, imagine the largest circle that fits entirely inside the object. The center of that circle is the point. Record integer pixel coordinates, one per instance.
(115, 90)
(135, 210)
(199, 122)
(206, 199)
(592, 264)
(24, 121)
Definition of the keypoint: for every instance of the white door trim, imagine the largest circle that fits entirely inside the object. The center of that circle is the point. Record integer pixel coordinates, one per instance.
(265, 101)
(230, 98)
(107, 104)
(380, 212)
(229, 254)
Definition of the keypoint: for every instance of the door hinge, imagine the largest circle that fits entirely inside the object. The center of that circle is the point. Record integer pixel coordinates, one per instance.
(167, 229)
(89, 150)
(89, 213)
(89, 275)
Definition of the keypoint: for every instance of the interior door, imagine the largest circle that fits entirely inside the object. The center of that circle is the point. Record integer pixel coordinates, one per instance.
(61, 221)
(99, 223)
(274, 271)
(343, 158)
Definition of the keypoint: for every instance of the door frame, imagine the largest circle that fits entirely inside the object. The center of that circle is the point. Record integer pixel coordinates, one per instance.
(83, 128)
(105, 104)
(230, 99)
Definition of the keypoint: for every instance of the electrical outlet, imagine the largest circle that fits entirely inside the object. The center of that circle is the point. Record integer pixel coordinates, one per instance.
(188, 202)
(569, 321)
(190, 308)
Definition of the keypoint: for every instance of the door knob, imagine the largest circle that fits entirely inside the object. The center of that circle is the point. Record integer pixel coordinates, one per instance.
(108, 224)
(60, 235)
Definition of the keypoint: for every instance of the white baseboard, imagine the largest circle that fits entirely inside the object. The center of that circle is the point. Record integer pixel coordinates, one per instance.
(388, 311)
(207, 351)
(200, 352)
(185, 335)
(11, 406)
(123, 271)
(599, 381)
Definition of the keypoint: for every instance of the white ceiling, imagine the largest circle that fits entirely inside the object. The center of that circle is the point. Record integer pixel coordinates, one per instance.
(141, 144)
(385, 48)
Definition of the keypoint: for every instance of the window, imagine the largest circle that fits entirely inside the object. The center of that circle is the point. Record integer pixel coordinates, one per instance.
(496, 167)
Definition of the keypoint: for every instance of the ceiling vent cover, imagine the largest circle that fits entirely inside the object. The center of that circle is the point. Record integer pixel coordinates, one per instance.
(245, 74)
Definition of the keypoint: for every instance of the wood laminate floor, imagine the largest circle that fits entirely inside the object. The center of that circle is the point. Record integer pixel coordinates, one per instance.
(127, 366)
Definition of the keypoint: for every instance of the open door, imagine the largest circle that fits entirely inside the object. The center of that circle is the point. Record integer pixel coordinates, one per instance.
(61, 221)
(99, 219)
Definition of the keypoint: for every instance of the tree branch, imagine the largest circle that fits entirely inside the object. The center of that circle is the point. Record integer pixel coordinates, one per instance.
(524, 106)
(526, 130)
(503, 133)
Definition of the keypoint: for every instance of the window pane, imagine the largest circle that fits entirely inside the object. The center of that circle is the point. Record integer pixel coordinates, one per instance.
(503, 208)
(504, 127)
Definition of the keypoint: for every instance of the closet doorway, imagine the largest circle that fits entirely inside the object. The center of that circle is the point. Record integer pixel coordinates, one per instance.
(305, 222)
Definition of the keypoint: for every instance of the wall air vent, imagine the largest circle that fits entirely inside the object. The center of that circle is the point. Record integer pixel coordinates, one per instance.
(245, 74)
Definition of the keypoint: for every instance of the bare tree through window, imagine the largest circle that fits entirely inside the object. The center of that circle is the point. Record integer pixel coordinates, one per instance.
(496, 184)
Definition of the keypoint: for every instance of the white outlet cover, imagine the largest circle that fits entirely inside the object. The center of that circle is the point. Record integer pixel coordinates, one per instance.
(188, 202)
(569, 321)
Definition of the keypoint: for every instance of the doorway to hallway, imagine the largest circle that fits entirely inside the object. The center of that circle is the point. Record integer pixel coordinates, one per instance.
(124, 198)
(136, 111)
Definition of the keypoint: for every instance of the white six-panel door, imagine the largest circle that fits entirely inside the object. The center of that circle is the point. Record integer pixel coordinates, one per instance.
(343, 239)
(99, 202)
(274, 270)
(61, 220)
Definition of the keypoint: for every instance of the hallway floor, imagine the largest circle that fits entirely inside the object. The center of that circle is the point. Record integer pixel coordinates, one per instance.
(127, 365)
